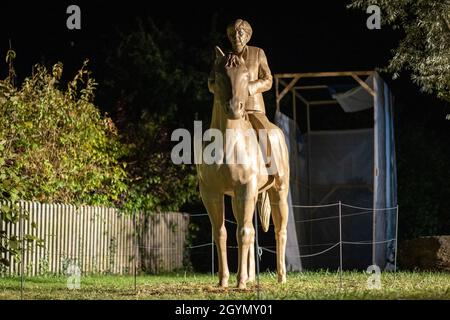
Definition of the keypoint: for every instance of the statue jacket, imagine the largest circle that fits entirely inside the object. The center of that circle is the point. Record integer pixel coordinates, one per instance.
(260, 78)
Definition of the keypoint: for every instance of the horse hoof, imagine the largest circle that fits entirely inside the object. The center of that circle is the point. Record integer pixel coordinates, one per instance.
(242, 285)
(251, 279)
(281, 279)
(223, 284)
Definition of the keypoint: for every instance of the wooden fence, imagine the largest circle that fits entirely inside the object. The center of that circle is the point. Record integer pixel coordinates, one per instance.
(98, 240)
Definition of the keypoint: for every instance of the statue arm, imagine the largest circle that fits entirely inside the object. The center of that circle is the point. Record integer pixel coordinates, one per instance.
(264, 81)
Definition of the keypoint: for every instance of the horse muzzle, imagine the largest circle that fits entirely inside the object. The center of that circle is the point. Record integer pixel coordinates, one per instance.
(235, 110)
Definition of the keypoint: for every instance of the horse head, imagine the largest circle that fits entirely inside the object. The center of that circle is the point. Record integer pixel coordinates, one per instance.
(232, 79)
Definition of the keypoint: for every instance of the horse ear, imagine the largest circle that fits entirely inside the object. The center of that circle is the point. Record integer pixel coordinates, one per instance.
(219, 53)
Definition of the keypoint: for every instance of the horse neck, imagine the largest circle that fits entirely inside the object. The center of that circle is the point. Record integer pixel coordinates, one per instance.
(221, 122)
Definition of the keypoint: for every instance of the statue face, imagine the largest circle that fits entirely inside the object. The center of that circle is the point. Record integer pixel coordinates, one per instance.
(238, 39)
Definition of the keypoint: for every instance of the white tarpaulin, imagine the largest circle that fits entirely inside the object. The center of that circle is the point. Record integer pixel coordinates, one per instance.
(356, 167)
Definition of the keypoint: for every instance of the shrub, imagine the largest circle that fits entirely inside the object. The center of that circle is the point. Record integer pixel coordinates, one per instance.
(56, 143)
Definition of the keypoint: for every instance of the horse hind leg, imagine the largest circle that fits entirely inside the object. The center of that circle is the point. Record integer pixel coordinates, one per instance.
(215, 206)
(279, 206)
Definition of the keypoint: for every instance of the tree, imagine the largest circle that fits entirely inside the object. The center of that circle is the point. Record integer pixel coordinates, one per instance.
(424, 50)
(156, 82)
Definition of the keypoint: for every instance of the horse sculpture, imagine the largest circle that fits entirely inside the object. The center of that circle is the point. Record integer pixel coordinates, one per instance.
(243, 180)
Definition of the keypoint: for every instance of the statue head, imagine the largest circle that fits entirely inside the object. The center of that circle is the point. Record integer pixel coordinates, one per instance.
(239, 33)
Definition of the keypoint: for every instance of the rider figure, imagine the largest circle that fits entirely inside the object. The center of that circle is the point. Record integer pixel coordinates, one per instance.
(239, 33)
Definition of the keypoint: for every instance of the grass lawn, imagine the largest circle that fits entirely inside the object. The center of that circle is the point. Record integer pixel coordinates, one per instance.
(307, 285)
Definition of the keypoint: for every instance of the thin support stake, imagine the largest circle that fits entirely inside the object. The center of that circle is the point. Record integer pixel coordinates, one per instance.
(212, 253)
(257, 255)
(135, 252)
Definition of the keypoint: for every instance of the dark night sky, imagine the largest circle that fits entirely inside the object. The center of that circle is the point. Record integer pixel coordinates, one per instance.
(296, 36)
(322, 36)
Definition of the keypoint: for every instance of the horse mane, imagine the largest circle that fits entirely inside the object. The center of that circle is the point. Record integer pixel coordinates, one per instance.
(232, 60)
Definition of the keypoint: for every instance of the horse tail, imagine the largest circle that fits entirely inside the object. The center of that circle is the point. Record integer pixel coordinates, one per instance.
(264, 210)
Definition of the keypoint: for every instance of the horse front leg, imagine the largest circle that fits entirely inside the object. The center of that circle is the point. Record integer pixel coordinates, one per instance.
(215, 207)
(244, 204)
(251, 252)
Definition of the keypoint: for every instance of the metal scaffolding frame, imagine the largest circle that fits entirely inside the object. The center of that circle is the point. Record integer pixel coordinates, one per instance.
(289, 81)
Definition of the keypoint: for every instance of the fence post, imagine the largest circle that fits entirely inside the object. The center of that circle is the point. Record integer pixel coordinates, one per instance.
(396, 239)
(340, 243)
